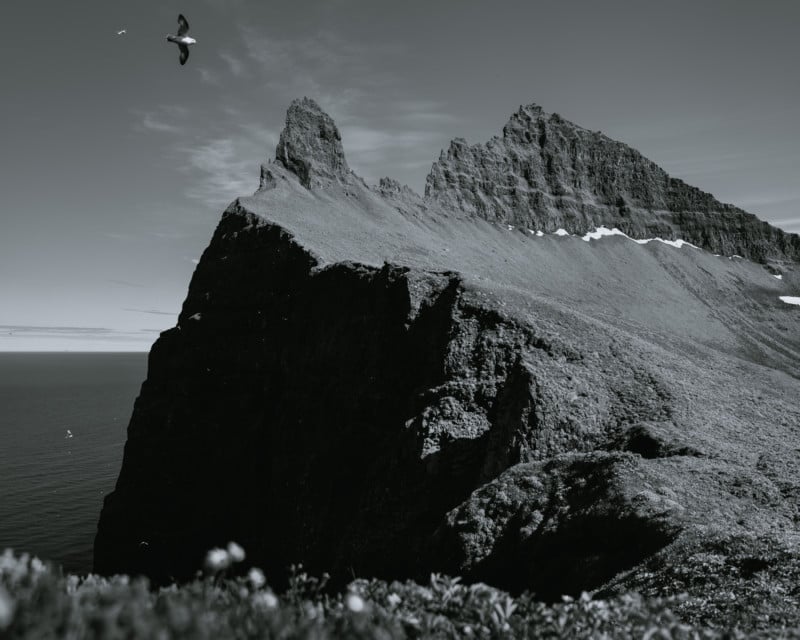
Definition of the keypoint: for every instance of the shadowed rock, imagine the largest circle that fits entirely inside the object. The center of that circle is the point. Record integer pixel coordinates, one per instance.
(561, 526)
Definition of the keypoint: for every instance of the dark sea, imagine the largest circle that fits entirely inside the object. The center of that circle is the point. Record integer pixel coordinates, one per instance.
(52, 485)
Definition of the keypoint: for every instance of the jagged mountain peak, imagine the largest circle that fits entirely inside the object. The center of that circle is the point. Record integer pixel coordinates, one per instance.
(543, 173)
(310, 145)
(546, 173)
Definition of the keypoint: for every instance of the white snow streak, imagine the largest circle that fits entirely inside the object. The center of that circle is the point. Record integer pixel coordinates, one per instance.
(601, 232)
(791, 300)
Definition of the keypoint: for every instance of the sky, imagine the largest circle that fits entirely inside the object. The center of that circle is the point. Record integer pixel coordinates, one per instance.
(116, 162)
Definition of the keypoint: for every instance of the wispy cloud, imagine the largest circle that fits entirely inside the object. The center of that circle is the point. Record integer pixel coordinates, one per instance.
(125, 283)
(163, 119)
(29, 329)
(372, 150)
(58, 338)
(227, 167)
(337, 72)
(152, 312)
(235, 65)
(207, 76)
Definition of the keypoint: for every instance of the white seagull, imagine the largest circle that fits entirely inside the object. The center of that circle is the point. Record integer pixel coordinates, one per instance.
(122, 32)
(182, 40)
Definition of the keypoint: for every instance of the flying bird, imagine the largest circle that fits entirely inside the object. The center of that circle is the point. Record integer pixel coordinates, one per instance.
(182, 40)
(122, 32)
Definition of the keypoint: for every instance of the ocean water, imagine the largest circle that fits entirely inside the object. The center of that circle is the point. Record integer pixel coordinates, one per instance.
(52, 485)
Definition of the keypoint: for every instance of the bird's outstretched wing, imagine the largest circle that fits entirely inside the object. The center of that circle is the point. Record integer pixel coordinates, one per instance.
(183, 26)
(184, 53)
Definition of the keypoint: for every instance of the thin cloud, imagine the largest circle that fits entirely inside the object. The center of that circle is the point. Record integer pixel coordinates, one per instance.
(208, 77)
(336, 72)
(114, 235)
(52, 330)
(227, 167)
(151, 311)
(235, 65)
(59, 338)
(151, 123)
(368, 149)
(164, 119)
(125, 283)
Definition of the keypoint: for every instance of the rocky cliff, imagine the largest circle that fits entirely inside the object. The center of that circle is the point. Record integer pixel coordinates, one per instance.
(548, 173)
(374, 384)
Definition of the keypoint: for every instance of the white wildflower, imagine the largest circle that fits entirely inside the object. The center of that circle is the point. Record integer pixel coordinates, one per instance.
(235, 552)
(72, 583)
(6, 609)
(394, 599)
(256, 577)
(217, 560)
(355, 603)
(265, 600)
(37, 566)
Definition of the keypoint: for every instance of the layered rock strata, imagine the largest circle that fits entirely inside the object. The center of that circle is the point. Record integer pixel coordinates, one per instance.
(547, 173)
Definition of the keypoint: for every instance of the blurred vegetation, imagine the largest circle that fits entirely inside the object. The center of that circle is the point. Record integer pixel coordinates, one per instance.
(37, 602)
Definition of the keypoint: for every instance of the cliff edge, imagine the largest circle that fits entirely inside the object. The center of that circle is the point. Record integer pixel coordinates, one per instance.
(377, 384)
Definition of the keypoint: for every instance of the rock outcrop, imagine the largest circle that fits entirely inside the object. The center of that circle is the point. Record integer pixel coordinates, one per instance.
(310, 145)
(376, 385)
(546, 173)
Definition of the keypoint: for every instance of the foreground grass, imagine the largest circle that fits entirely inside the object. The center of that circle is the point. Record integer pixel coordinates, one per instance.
(37, 602)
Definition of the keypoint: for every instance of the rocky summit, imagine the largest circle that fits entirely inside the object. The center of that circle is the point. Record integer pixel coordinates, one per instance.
(548, 173)
(478, 381)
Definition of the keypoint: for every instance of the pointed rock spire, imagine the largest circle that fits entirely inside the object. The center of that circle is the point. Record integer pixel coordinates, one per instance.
(310, 145)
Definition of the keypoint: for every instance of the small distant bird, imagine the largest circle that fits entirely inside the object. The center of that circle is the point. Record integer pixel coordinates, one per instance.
(122, 32)
(182, 40)
(69, 434)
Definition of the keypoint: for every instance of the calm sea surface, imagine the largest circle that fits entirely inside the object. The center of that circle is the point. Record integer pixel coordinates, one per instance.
(52, 485)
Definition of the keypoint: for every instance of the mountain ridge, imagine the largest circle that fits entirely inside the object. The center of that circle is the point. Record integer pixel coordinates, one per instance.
(357, 372)
(547, 173)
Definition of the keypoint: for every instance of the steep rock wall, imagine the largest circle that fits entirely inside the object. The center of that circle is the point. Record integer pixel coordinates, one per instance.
(333, 414)
(546, 173)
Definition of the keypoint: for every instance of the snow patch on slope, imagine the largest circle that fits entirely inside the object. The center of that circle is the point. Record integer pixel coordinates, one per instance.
(602, 232)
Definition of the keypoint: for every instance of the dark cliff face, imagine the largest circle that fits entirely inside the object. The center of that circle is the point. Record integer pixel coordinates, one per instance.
(546, 173)
(357, 386)
(332, 415)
